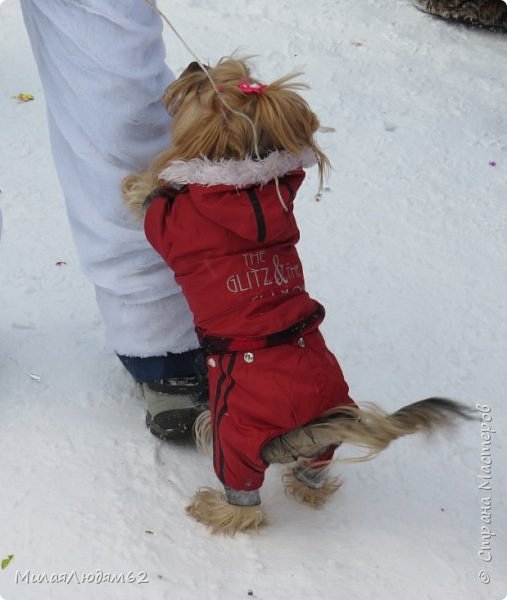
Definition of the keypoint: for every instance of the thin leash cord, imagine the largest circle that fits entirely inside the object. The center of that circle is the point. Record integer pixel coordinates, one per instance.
(279, 194)
(205, 71)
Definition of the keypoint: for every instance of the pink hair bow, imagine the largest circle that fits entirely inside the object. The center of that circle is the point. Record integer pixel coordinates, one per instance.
(248, 87)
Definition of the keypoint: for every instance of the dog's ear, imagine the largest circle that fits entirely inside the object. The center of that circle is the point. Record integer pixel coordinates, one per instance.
(189, 81)
(193, 67)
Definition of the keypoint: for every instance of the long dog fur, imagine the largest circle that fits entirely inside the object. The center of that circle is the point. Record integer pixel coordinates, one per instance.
(211, 508)
(369, 427)
(313, 497)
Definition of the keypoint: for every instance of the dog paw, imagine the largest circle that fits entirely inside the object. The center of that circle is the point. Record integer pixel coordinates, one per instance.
(211, 508)
(313, 497)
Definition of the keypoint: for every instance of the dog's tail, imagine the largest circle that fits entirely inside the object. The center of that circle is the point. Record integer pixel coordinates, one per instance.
(369, 427)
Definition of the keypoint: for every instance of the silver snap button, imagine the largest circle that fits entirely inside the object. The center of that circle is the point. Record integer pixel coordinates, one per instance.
(248, 357)
(301, 342)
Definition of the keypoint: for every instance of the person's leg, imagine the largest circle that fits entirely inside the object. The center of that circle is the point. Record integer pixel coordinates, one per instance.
(175, 388)
(103, 72)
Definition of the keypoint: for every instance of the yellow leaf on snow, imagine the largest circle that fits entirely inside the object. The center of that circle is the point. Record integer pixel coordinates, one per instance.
(24, 97)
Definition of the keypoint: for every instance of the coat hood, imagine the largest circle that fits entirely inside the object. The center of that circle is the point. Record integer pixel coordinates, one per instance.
(239, 173)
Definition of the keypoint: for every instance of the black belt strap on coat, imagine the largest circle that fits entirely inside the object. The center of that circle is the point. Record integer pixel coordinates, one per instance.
(219, 344)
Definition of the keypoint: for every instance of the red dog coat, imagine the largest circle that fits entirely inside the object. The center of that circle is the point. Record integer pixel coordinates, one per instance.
(233, 252)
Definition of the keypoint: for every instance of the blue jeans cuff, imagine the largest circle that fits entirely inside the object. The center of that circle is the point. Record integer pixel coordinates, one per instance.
(154, 368)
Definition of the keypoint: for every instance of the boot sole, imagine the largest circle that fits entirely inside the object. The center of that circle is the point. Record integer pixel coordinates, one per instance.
(179, 425)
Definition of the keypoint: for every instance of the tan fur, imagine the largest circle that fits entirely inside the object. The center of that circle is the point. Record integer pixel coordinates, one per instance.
(203, 125)
(315, 498)
(370, 428)
(211, 508)
(367, 427)
(203, 432)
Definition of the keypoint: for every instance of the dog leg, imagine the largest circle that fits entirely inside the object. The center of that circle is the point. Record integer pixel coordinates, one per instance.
(310, 486)
(211, 508)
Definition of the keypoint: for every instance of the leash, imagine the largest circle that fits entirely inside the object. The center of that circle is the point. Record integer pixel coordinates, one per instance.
(205, 71)
(222, 99)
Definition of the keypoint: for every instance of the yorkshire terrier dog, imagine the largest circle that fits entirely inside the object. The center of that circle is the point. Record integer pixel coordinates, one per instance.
(218, 207)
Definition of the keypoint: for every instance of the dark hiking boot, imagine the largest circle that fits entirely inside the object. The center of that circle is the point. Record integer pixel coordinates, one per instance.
(174, 404)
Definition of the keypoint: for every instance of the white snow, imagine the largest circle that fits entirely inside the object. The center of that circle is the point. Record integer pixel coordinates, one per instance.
(407, 250)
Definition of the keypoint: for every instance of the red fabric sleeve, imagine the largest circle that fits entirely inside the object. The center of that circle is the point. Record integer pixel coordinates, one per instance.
(156, 225)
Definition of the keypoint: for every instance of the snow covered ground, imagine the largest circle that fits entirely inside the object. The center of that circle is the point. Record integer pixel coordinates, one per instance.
(407, 250)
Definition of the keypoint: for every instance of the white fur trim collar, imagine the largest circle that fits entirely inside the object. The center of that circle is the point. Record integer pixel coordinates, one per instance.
(249, 171)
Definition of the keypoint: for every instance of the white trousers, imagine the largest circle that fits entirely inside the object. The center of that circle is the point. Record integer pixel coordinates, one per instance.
(101, 63)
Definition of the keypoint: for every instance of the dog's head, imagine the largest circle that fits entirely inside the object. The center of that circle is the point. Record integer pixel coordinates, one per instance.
(222, 112)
